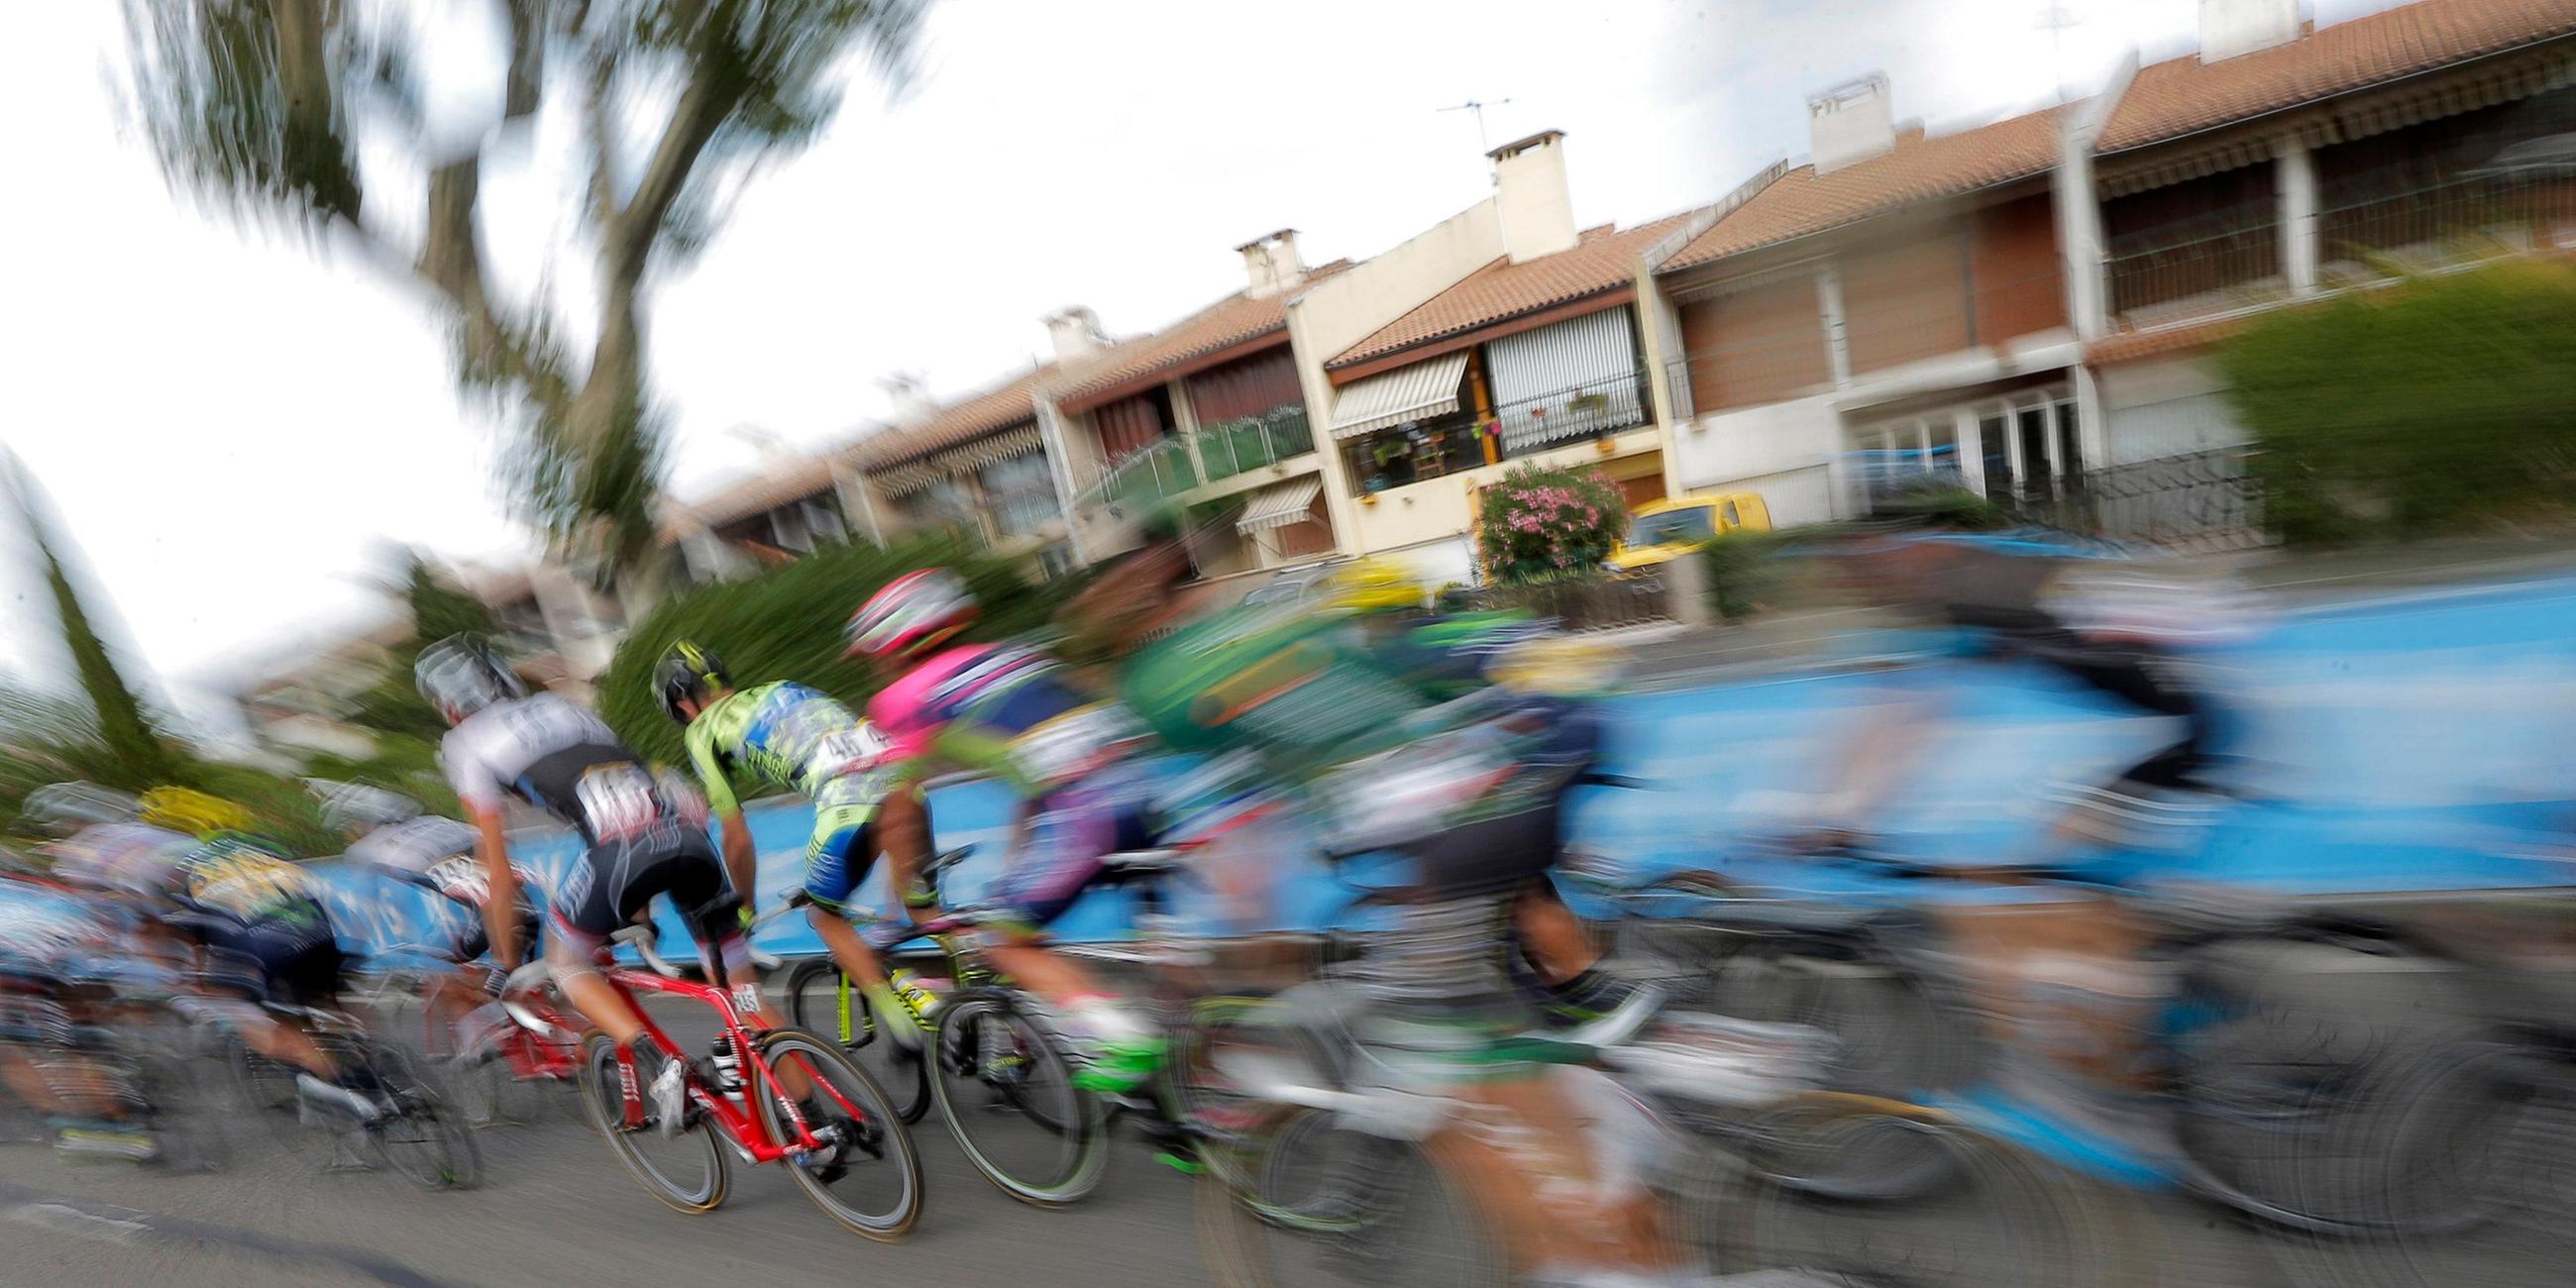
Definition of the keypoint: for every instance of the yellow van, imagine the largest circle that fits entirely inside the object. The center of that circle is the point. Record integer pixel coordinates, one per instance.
(1660, 531)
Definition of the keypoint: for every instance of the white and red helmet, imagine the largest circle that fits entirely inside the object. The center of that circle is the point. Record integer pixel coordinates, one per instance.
(916, 611)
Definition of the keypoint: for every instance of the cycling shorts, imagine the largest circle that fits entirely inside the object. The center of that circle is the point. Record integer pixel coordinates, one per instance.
(615, 879)
(290, 961)
(1072, 831)
(845, 841)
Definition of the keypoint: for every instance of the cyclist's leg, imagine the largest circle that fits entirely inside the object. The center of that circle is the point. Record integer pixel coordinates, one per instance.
(582, 915)
(1069, 837)
(836, 861)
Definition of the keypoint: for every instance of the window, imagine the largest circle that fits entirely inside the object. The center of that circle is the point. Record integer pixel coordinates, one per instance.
(1019, 493)
(1692, 524)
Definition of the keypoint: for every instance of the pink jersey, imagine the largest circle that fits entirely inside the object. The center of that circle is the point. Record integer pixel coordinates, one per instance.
(980, 705)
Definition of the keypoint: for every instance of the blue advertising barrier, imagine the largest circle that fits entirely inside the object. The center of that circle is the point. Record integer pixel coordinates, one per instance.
(2409, 743)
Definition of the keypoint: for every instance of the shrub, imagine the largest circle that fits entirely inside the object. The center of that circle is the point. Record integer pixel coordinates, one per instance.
(1742, 566)
(785, 624)
(2438, 404)
(1539, 523)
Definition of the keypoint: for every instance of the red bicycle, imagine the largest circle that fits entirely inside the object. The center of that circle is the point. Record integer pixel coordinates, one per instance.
(844, 1144)
(506, 1074)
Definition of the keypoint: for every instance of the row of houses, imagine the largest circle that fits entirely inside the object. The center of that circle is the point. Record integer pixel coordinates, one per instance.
(2025, 308)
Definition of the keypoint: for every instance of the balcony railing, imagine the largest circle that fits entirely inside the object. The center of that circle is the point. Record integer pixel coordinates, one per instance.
(1231, 447)
(1143, 478)
(2193, 277)
(2365, 236)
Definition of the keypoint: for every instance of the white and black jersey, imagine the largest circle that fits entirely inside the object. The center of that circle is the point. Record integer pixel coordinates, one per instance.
(558, 757)
(411, 848)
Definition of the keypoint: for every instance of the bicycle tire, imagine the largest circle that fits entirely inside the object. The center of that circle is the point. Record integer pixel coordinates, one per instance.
(1253, 1239)
(602, 1097)
(2006, 1218)
(814, 1005)
(973, 1086)
(851, 1084)
(424, 1139)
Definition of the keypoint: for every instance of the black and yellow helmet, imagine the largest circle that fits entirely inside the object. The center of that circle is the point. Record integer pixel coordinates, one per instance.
(688, 671)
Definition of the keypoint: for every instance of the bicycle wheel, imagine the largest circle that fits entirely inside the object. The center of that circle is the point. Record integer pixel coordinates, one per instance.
(822, 1001)
(1324, 1205)
(2002, 1217)
(686, 1172)
(424, 1139)
(870, 1183)
(1007, 1094)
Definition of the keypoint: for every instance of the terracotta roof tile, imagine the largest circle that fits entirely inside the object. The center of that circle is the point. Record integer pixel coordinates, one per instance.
(1600, 259)
(972, 417)
(1920, 168)
(767, 490)
(2183, 96)
(1222, 325)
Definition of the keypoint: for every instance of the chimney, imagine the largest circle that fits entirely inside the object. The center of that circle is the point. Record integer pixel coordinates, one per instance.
(908, 397)
(1271, 263)
(2232, 27)
(1076, 333)
(1850, 123)
(1530, 196)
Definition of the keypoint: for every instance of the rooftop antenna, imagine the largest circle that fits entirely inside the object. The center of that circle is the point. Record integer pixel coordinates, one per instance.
(2056, 16)
(1483, 144)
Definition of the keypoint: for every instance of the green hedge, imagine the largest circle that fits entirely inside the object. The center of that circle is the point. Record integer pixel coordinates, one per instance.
(2441, 404)
(786, 624)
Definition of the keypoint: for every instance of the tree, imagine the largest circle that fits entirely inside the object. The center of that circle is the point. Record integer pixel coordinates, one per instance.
(2438, 404)
(134, 747)
(277, 111)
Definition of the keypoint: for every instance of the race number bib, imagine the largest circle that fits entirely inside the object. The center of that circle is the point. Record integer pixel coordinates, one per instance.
(846, 751)
(1074, 744)
(461, 878)
(618, 801)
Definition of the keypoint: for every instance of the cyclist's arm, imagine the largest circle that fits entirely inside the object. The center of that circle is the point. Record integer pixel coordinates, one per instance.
(903, 830)
(741, 856)
(478, 789)
(492, 849)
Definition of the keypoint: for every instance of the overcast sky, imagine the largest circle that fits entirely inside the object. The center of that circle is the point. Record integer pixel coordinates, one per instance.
(230, 425)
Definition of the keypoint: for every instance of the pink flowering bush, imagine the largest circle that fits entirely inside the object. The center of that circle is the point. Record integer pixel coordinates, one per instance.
(1537, 524)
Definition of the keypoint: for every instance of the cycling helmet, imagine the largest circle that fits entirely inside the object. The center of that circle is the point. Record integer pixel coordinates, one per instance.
(185, 809)
(687, 671)
(461, 675)
(64, 808)
(916, 611)
(356, 808)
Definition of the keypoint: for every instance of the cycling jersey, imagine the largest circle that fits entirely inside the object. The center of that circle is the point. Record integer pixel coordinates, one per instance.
(785, 735)
(437, 854)
(1009, 711)
(793, 737)
(560, 758)
(567, 762)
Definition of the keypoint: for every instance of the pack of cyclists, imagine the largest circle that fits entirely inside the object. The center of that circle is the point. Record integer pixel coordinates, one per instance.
(1446, 739)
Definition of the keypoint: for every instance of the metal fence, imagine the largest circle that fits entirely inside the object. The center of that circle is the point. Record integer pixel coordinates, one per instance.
(1584, 603)
(2196, 503)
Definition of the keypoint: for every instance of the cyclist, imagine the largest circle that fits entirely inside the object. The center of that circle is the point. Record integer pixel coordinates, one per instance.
(797, 739)
(2067, 972)
(47, 937)
(264, 938)
(1451, 656)
(438, 855)
(1470, 797)
(565, 760)
(1068, 756)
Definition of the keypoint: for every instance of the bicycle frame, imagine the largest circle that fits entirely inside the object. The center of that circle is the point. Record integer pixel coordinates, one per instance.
(743, 1129)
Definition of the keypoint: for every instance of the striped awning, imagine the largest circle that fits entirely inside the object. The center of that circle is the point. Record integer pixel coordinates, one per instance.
(985, 451)
(1418, 392)
(904, 480)
(1281, 504)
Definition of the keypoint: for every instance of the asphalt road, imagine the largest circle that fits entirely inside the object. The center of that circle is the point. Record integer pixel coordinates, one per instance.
(555, 1208)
